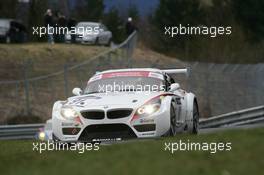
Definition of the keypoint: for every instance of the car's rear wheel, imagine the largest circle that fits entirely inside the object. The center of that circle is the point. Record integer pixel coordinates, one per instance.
(196, 117)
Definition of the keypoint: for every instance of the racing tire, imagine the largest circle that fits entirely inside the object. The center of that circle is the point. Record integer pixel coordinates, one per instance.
(109, 42)
(196, 117)
(172, 131)
(96, 41)
(55, 139)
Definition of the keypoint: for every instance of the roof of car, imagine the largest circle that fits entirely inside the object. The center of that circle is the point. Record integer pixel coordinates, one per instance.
(132, 69)
(89, 23)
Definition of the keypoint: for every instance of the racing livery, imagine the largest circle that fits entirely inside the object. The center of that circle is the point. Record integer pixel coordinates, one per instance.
(124, 104)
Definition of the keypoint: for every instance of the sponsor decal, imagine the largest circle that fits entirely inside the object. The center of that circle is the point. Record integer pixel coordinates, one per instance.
(107, 140)
(127, 74)
(146, 120)
(78, 120)
(94, 78)
(148, 134)
(81, 100)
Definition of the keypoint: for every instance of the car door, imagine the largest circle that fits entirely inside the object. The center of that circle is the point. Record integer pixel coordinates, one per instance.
(178, 101)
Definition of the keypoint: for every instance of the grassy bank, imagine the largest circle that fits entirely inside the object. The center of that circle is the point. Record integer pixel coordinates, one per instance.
(42, 58)
(142, 157)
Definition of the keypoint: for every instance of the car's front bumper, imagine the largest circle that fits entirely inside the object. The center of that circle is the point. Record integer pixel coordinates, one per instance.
(86, 40)
(111, 129)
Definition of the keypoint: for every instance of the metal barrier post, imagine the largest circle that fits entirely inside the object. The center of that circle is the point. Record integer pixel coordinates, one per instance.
(26, 87)
(66, 80)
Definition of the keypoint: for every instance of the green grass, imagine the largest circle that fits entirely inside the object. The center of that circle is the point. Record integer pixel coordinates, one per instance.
(142, 157)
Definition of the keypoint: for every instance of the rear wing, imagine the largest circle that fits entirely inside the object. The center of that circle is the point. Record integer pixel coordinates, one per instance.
(185, 71)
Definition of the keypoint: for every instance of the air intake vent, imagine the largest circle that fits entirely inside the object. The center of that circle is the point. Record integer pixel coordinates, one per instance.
(107, 131)
(145, 128)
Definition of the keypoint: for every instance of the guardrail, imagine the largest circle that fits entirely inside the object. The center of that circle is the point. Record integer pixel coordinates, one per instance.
(25, 131)
(242, 117)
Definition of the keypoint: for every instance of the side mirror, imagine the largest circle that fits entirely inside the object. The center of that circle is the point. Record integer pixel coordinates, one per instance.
(77, 91)
(174, 86)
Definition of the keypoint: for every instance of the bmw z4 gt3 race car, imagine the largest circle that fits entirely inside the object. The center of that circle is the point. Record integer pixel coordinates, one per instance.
(124, 104)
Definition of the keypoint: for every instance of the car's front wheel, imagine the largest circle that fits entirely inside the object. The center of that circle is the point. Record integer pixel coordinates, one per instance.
(172, 121)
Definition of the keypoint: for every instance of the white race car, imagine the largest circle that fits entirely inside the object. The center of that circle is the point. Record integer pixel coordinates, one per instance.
(126, 103)
(90, 33)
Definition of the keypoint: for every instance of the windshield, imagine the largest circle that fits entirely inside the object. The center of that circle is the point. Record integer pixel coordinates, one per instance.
(4, 23)
(86, 25)
(128, 84)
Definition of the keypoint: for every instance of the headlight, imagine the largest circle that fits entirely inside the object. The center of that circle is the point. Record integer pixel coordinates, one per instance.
(68, 113)
(148, 108)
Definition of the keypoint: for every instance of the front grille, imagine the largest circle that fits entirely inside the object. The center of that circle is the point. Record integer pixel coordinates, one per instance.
(118, 113)
(107, 131)
(93, 115)
(145, 127)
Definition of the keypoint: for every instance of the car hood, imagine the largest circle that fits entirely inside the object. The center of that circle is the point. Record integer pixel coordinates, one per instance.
(122, 99)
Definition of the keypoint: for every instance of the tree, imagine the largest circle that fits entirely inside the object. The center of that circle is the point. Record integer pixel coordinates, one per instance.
(250, 14)
(91, 10)
(173, 13)
(133, 12)
(115, 24)
(37, 9)
(8, 8)
(217, 13)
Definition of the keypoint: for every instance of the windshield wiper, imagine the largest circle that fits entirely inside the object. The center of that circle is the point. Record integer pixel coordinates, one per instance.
(128, 90)
(93, 92)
